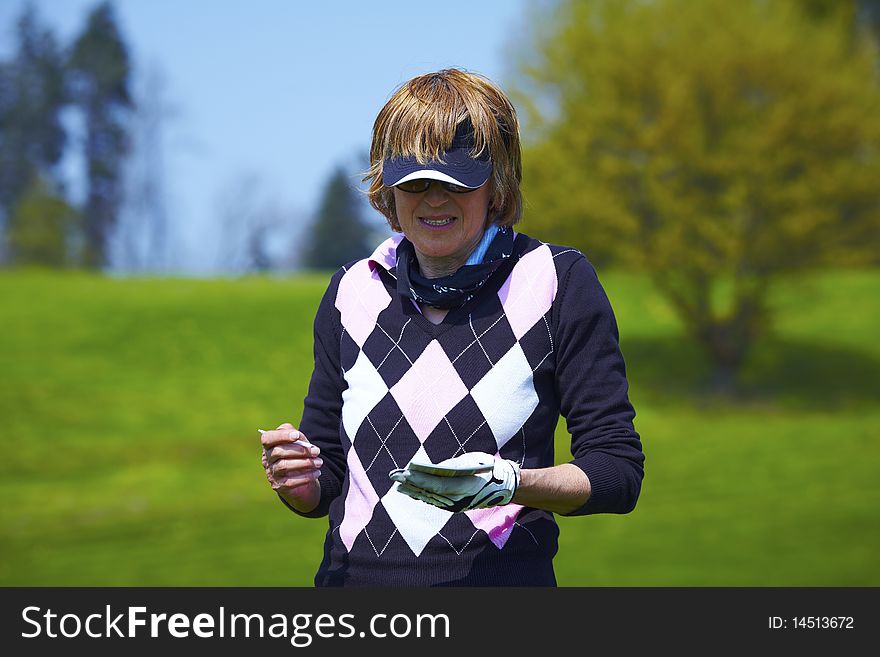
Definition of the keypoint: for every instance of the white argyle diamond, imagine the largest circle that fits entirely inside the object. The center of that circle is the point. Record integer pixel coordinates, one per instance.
(416, 521)
(506, 395)
(365, 389)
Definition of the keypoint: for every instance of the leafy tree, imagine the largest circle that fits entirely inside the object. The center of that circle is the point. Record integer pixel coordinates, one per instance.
(44, 228)
(339, 233)
(32, 97)
(100, 73)
(714, 145)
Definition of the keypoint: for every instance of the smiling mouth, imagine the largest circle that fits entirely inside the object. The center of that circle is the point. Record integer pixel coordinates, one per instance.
(437, 221)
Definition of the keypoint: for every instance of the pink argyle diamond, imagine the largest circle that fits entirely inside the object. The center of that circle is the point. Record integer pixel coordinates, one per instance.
(428, 391)
(359, 502)
(528, 292)
(360, 299)
(497, 521)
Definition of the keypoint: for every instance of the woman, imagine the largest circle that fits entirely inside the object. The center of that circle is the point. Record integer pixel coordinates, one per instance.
(458, 342)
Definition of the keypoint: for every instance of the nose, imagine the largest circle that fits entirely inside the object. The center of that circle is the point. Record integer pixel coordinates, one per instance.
(435, 195)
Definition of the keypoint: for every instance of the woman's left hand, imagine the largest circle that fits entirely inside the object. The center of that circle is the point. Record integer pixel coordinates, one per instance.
(463, 492)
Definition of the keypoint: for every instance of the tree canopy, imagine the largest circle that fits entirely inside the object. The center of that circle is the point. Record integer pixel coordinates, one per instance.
(711, 144)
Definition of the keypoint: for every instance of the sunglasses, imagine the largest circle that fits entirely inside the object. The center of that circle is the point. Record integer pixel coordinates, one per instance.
(420, 185)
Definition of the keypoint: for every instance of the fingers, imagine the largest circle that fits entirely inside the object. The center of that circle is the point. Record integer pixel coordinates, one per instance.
(285, 466)
(294, 481)
(446, 486)
(286, 443)
(270, 439)
(423, 480)
(425, 496)
(289, 459)
(399, 475)
(291, 451)
(417, 494)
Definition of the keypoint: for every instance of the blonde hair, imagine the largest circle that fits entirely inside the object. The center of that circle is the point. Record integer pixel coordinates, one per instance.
(420, 120)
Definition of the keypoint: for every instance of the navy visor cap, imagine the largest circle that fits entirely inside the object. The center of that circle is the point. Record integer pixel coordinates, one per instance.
(456, 165)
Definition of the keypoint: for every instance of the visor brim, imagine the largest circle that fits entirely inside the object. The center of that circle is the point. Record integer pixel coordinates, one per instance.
(457, 167)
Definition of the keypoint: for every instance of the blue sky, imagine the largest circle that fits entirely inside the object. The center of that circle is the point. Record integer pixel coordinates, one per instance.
(281, 90)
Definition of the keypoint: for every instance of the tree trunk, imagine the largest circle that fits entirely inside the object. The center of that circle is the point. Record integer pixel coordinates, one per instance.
(728, 341)
(727, 351)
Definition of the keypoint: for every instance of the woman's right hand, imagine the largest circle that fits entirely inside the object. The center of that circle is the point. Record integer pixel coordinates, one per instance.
(292, 466)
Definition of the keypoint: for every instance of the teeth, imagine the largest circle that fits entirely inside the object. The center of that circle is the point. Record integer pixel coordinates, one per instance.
(437, 222)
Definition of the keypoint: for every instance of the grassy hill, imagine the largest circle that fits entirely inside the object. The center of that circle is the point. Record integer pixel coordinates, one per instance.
(130, 454)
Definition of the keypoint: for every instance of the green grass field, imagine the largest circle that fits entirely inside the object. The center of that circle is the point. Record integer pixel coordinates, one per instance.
(130, 454)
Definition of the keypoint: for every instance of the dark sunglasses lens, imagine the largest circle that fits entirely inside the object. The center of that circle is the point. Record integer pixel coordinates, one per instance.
(420, 185)
(415, 186)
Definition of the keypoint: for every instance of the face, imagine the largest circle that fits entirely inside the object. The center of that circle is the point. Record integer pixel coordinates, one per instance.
(443, 224)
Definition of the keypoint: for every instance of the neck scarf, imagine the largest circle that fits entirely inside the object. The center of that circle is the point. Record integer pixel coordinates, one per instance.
(456, 289)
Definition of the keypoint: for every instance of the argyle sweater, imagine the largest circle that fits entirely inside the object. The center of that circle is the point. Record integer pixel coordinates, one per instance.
(538, 339)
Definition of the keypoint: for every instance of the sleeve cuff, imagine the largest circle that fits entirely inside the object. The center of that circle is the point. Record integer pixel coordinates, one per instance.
(606, 484)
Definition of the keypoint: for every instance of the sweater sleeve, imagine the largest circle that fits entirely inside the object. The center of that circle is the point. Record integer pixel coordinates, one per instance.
(593, 393)
(322, 407)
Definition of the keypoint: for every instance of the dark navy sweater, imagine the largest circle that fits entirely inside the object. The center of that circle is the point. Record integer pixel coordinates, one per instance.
(539, 340)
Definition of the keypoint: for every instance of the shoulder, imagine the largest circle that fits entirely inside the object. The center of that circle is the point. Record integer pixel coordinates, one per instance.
(345, 284)
(362, 289)
(565, 277)
(563, 261)
(357, 272)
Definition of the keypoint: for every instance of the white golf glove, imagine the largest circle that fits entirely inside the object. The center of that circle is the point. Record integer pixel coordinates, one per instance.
(463, 492)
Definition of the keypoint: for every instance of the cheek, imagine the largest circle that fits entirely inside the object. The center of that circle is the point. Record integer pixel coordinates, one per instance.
(400, 209)
(404, 202)
(478, 211)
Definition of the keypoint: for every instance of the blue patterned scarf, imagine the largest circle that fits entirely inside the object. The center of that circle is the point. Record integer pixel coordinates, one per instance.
(458, 288)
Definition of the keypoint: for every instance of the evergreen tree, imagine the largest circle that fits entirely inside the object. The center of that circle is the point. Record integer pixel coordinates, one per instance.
(339, 233)
(100, 72)
(32, 96)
